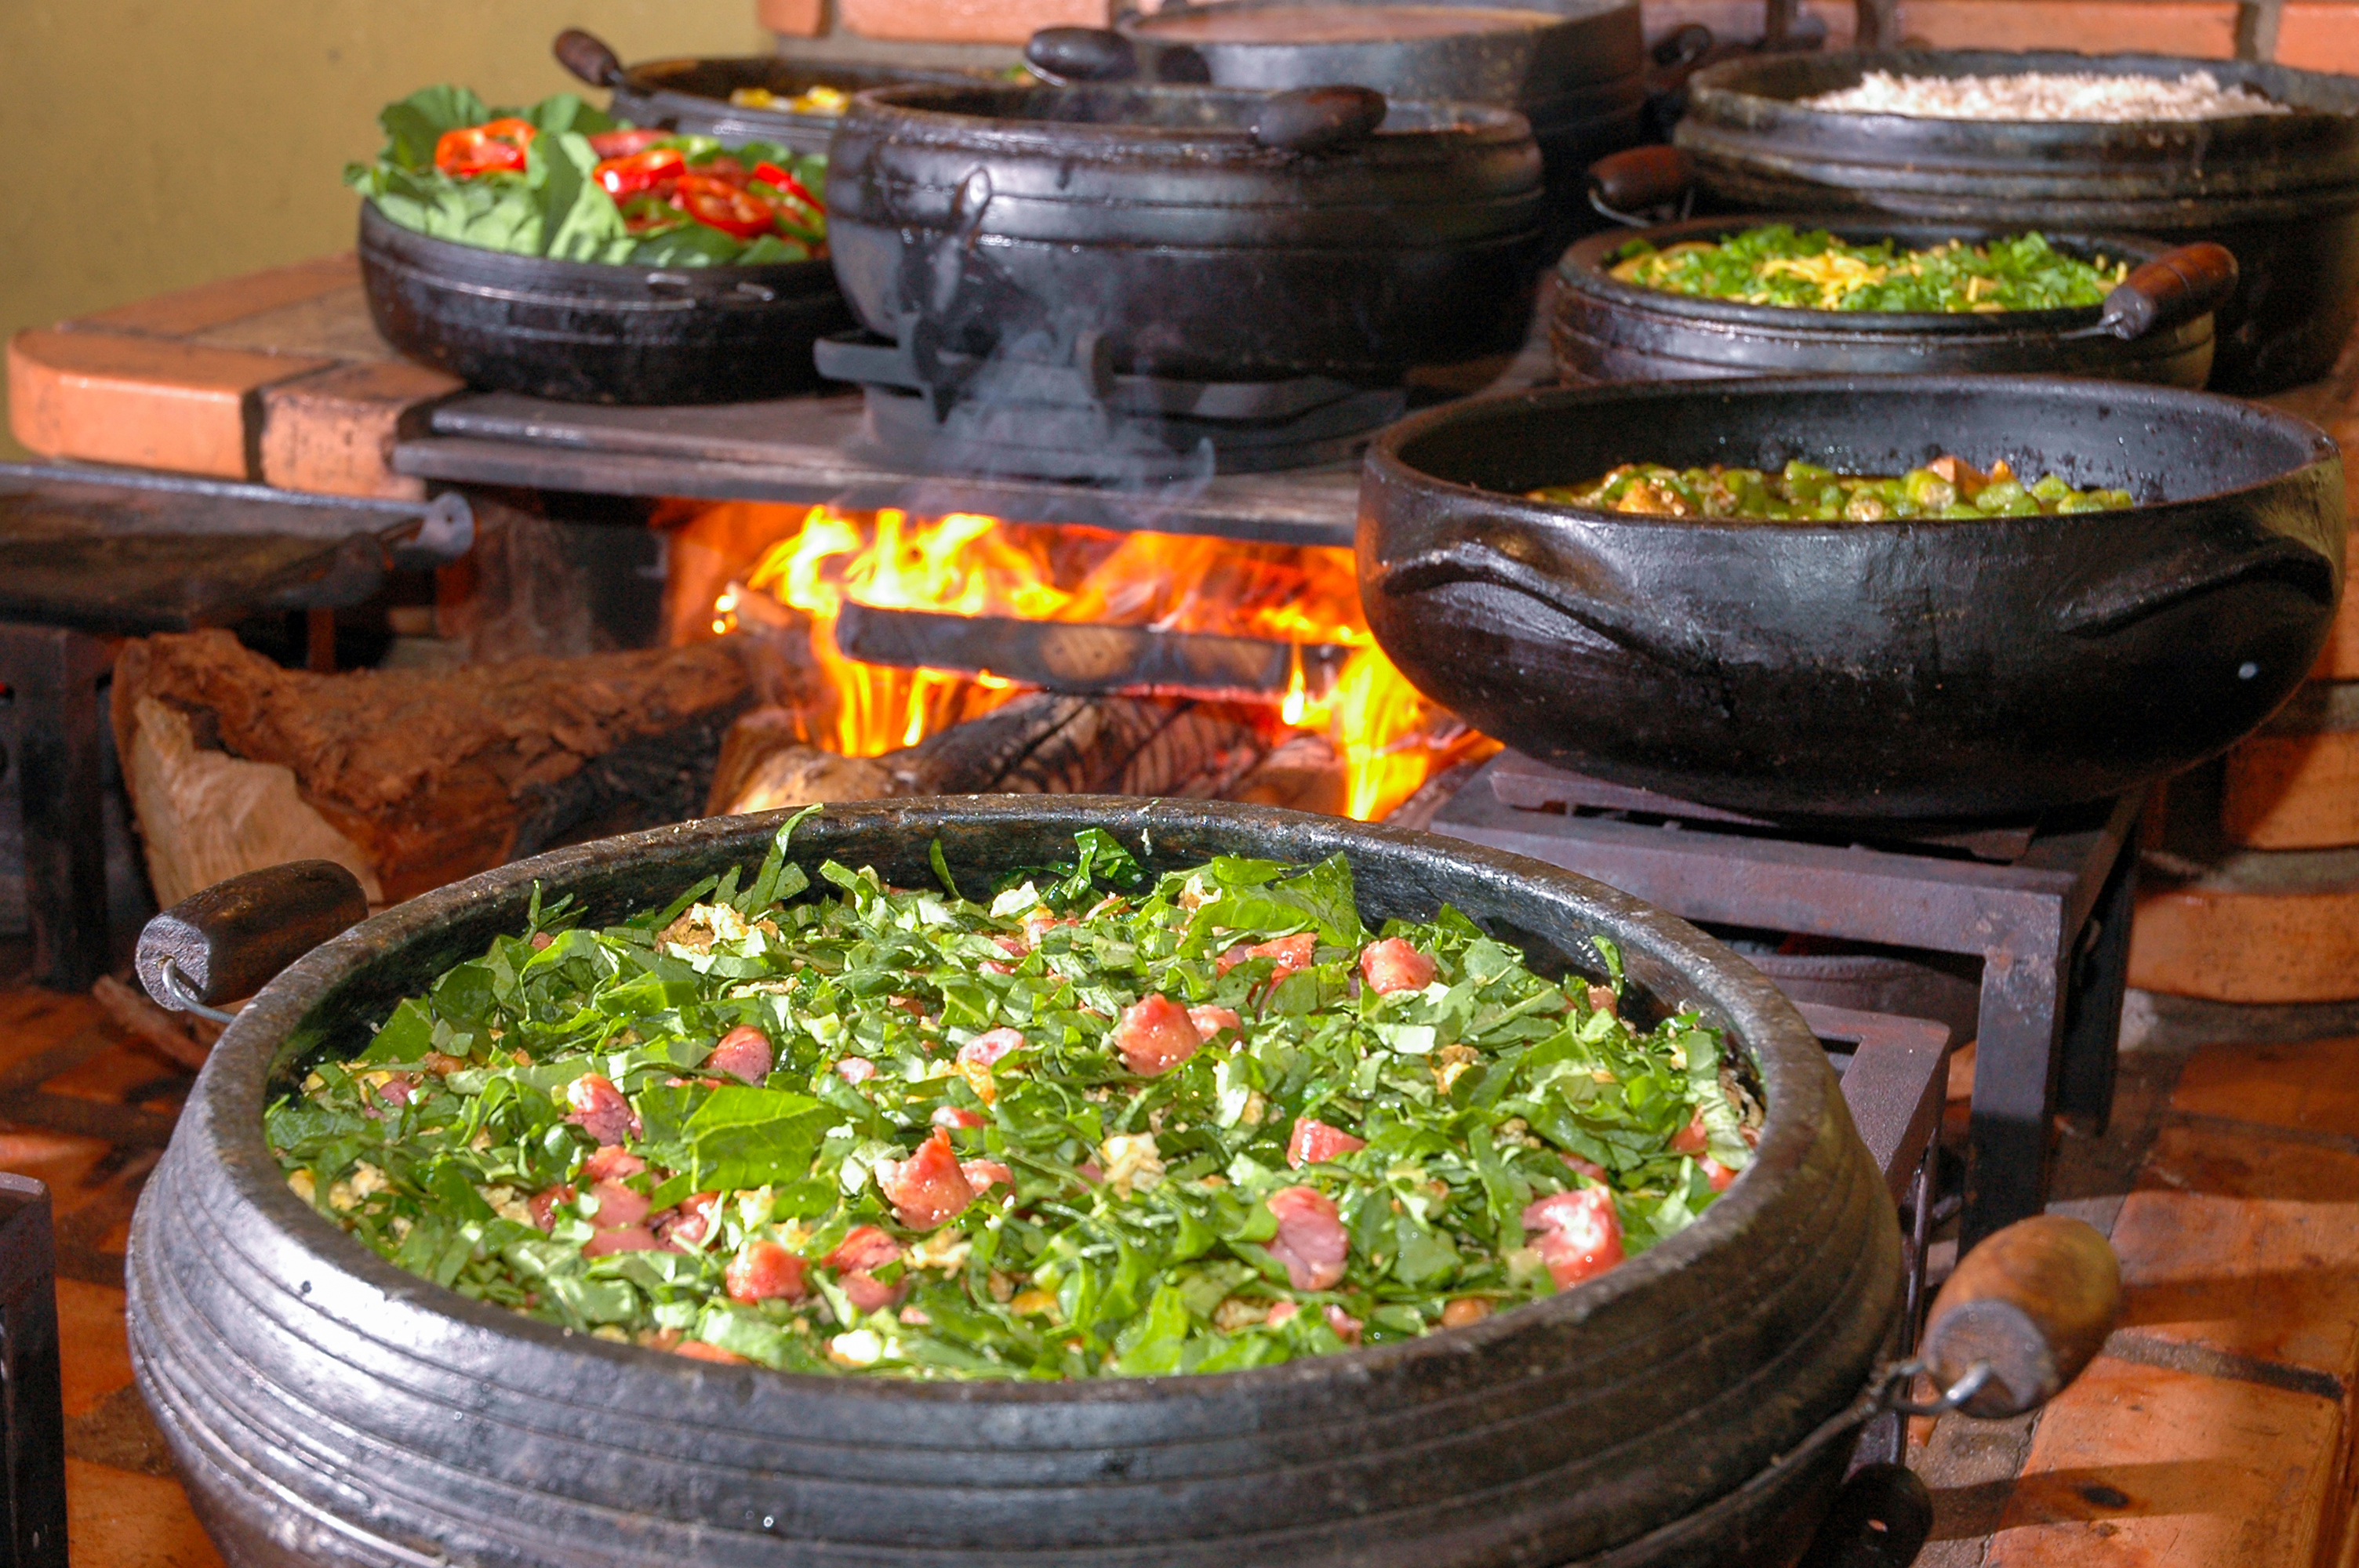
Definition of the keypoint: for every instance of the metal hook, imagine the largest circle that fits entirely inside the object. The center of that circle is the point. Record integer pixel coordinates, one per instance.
(1972, 1382)
(183, 994)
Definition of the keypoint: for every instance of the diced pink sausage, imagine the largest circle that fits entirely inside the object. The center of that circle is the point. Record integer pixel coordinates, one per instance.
(744, 1054)
(695, 1220)
(955, 1117)
(622, 1239)
(982, 1173)
(543, 1204)
(1693, 1140)
(1280, 1311)
(1314, 1141)
(1310, 1240)
(394, 1092)
(1155, 1036)
(1299, 951)
(1347, 1327)
(617, 1205)
(1718, 1175)
(928, 1187)
(1589, 1168)
(855, 1069)
(1578, 1234)
(705, 1350)
(1210, 1019)
(611, 1162)
(1392, 965)
(864, 1247)
(764, 1270)
(600, 1109)
(990, 1046)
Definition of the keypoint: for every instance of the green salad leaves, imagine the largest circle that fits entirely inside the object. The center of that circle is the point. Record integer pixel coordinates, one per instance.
(1812, 270)
(554, 205)
(1100, 1123)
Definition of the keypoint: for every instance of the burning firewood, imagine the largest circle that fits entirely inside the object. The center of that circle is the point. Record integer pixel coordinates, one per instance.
(411, 779)
(1045, 743)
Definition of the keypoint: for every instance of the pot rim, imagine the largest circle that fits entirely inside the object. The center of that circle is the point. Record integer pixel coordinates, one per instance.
(378, 228)
(1582, 267)
(1533, 22)
(1718, 83)
(904, 107)
(238, 1080)
(1385, 465)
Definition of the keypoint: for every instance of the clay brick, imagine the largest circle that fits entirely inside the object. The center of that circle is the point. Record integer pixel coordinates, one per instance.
(148, 402)
(2246, 1244)
(2320, 37)
(2312, 1085)
(968, 21)
(333, 431)
(2137, 1466)
(230, 298)
(2205, 28)
(791, 19)
(2251, 944)
(128, 1521)
(2295, 786)
(2340, 659)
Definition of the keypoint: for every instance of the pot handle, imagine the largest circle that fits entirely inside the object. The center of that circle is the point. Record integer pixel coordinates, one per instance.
(2176, 286)
(2202, 566)
(229, 940)
(1067, 55)
(1645, 630)
(2025, 1312)
(1624, 186)
(1318, 119)
(585, 54)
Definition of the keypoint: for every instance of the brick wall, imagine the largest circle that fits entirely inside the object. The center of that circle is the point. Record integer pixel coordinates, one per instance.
(2317, 35)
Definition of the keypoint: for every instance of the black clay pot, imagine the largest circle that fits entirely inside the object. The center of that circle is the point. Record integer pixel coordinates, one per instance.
(692, 94)
(590, 332)
(1200, 233)
(1605, 329)
(1577, 70)
(1866, 671)
(327, 1409)
(2280, 190)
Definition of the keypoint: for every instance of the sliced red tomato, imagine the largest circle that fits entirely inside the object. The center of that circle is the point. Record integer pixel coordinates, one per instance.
(720, 205)
(787, 184)
(623, 143)
(635, 172)
(480, 149)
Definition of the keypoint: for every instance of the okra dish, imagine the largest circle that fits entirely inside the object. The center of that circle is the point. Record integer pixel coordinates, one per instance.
(1088, 1122)
(1948, 487)
(1813, 270)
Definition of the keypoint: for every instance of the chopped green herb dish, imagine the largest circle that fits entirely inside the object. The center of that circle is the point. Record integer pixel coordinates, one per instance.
(1803, 493)
(1101, 1124)
(1814, 271)
(563, 180)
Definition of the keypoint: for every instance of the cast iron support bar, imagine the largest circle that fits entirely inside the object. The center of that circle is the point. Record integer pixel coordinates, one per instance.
(56, 763)
(32, 1417)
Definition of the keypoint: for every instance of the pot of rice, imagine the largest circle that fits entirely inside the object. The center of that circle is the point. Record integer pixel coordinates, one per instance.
(2261, 159)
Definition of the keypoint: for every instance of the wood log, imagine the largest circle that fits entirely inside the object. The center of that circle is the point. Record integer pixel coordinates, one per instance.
(413, 779)
(1044, 743)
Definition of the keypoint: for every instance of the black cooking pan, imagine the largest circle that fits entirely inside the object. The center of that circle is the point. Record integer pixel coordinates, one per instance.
(595, 331)
(1692, 1407)
(1860, 671)
(1202, 234)
(2156, 327)
(692, 94)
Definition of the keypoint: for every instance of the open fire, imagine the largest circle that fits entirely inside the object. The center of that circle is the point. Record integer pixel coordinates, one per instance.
(815, 560)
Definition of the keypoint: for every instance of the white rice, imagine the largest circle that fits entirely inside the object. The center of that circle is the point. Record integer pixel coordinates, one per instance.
(2046, 96)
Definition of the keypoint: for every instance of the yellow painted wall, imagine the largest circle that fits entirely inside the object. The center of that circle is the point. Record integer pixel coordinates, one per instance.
(154, 144)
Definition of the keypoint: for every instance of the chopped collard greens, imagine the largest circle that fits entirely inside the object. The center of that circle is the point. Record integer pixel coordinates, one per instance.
(1813, 270)
(1101, 1124)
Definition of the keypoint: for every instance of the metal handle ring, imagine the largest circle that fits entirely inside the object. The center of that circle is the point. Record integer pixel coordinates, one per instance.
(183, 993)
(1972, 1382)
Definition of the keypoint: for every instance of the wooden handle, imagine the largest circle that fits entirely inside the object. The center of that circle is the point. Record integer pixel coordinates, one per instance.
(2176, 286)
(229, 939)
(1641, 178)
(1082, 54)
(2035, 1302)
(587, 57)
(1318, 119)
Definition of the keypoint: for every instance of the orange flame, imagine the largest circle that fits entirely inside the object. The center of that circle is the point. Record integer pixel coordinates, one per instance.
(1389, 739)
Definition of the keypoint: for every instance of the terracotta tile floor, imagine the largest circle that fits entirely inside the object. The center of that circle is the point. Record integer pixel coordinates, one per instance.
(2215, 1432)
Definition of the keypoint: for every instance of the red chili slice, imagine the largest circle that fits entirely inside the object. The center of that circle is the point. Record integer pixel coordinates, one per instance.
(480, 149)
(623, 143)
(720, 205)
(635, 172)
(787, 185)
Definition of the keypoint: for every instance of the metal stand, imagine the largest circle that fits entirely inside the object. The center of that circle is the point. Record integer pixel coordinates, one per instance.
(2045, 907)
(32, 1420)
(54, 727)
